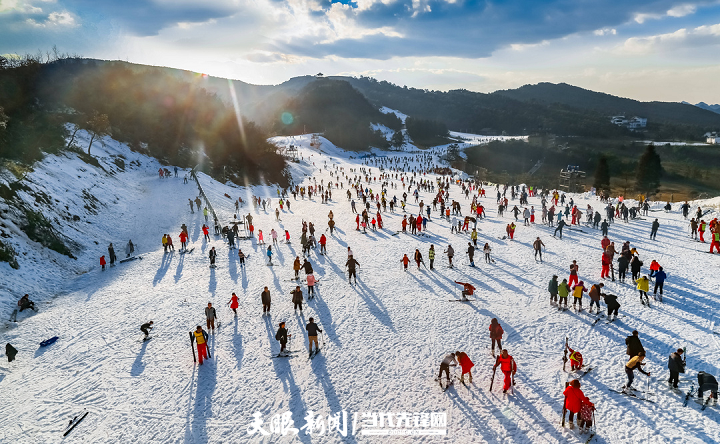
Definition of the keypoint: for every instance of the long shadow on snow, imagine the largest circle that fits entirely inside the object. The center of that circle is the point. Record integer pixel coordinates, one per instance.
(319, 367)
(212, 284)
(481, 424)
(375, 305)
(232, 266)
(178, 270)
(202, 409)
(237, 342)
(164, 266)
(138, 366)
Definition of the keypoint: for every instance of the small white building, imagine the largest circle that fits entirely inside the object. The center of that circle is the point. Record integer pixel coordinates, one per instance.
(713, 140)
(632, 124)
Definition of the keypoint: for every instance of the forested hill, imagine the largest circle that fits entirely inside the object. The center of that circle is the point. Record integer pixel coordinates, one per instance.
(562, 93)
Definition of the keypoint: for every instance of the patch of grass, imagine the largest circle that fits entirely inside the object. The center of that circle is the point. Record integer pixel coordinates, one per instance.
(40, 230)
(7, 254)
(19, 170)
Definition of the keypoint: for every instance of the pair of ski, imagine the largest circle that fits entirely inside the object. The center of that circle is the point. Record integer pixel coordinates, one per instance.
(634, 395)
(74, 422)
(285, 354)
(187, 251)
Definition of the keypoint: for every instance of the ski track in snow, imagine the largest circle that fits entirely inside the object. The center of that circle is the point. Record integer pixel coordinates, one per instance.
(384, 337)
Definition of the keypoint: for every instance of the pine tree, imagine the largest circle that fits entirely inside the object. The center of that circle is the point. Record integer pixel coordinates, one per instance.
(649, 170)
(601, 182)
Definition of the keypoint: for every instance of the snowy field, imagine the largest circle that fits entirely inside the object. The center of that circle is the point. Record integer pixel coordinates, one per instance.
(383, 338)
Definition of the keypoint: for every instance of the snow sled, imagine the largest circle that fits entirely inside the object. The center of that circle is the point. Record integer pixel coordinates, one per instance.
(47, 342)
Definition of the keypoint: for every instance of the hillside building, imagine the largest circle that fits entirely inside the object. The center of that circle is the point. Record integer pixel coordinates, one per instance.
(633, 123)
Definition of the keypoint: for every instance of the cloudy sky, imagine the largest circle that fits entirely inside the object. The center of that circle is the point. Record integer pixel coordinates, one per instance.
(643, 49)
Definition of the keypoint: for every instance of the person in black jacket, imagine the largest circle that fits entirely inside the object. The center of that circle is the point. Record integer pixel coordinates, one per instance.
(350, 264)
(634, 346)
(706, 381)
(676, 365)
(612, 304)
(282, 336)
(635, 266)
(297, 298)
(266, 300)
(623, 264)
(308, 267)
(313, 330)
(145, 328)
(111, 254)
(10, 352)
(212, 256)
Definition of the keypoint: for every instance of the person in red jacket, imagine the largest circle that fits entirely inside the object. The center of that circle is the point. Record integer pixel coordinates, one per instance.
(466, 366)
(323, 241)
(468, 289)
(418, 222)
(404, 224)
(606, 263)
(379, 220)
(574, 401)
(206, 232)
(234, 303)
(183, 240)
(357, 221)
(508, 367)
(573, 274)
(604, 242)
(511, 230)
(102, 262)
(496, 333)
(405, 261)
(576, 359)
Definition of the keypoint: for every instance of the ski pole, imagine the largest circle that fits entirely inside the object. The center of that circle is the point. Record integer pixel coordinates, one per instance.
(192, 348)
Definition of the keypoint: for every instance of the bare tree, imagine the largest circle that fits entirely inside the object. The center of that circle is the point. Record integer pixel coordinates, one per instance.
(98, 126)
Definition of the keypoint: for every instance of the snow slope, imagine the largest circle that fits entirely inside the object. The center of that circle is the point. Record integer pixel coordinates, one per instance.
(383, 338)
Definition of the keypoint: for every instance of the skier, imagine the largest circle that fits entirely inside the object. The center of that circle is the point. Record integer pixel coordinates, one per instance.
(706, 381)
(643, 286)
(269, 254)
(636, 362)
(676, 365)
(266, 300)
(537, 246)
(351, 264)
(212, 256)
(234, 303)
(210, 316)
(560, 225)
(201, 337)
(634, 346)
(111, 254)
(576, 359)
(191, 206)
(466, 366)
(594, 294)
(487, 250)
(496, 334)
(715, 244)
(405, 261)
(563, 293)
(654, 229)
(312, 330)
(323, 241)
(205, 213)
(431, 255)
(553, 289)
(573, 273)
(241, 257)
(471, 254)
(575, 400)
(145, 328)
(612, 305)
(468, 290)
(473, 237)
(307, 266)
(282, 336)
(311, 286)
(450, 253)
(297, 298)
(508, 367)
(445, 367)
(206, 232)
(297, 267)
(660, 277)
(25, 303)
(578, 291)
(102, 262)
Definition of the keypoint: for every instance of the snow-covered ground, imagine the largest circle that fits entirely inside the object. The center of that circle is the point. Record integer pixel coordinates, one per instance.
(383, 338)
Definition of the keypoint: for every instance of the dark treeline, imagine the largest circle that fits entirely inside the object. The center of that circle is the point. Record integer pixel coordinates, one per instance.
(175, 120)
(339, 111)
(426, 132)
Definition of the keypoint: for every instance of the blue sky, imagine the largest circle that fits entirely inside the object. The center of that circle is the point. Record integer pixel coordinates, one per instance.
(645, 49)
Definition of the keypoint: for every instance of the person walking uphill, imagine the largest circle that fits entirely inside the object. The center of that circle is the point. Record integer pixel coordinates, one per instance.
(200, 336)
(312, 330)
(508, 367)
(496, 334)
(676, 365)
(210, 315)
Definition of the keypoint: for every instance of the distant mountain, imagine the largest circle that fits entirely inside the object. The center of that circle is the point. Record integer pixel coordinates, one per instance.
(714, 108)
(656, 112)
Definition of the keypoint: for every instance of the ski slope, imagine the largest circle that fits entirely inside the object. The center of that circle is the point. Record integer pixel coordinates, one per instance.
(383, 338)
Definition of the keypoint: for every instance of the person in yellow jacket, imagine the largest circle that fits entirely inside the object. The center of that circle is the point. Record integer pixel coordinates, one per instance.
(643, 285)
(164, 242)
(636, 362)
(201, 340)
(578, 291)
(473, 236)
(563, 292)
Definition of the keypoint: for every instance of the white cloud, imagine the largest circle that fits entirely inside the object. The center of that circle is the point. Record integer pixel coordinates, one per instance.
(682, 38)
(605, 31)
(682, 10)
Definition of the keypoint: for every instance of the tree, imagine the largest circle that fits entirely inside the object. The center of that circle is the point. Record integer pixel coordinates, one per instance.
(649, 171)
(98, 126)
(397, 140)
(601, 182)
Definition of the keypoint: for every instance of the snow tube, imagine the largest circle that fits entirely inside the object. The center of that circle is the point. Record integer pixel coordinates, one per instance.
(47, 342)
